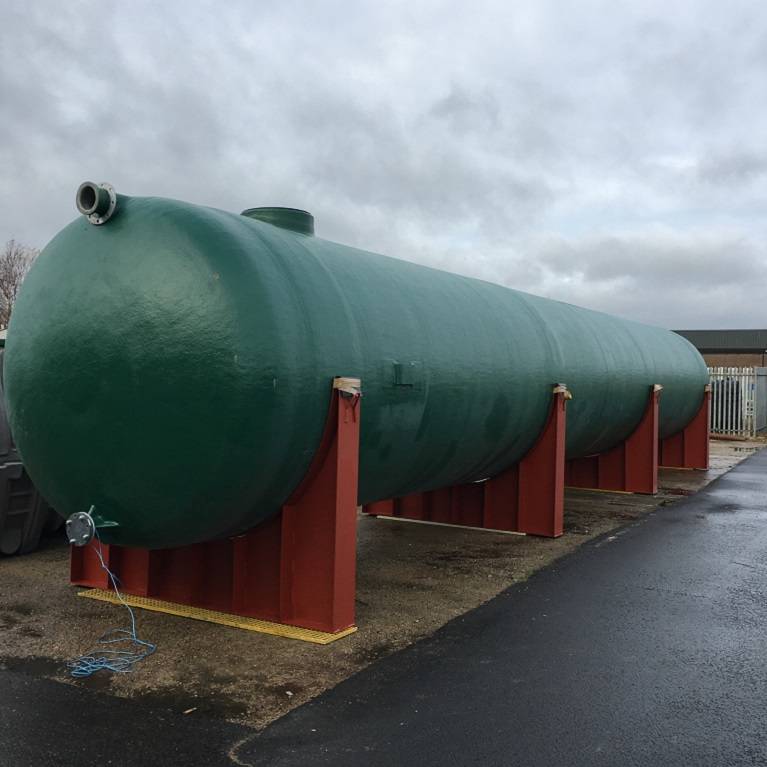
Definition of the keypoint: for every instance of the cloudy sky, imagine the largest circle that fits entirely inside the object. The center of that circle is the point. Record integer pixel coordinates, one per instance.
(608, 154)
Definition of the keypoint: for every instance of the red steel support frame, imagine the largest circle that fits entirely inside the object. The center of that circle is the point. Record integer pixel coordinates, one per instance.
(631, 466)
(688, 449)
(297, 568)
(528, 497)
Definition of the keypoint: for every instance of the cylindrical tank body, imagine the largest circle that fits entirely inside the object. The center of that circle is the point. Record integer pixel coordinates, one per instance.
(172, 367)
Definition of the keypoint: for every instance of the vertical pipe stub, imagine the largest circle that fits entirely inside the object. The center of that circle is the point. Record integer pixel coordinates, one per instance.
(286, 218)
(97, 202)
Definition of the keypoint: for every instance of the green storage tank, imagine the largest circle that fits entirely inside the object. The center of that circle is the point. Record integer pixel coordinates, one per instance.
(171, 365)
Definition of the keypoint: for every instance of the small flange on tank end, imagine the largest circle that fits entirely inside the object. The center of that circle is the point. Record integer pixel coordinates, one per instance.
(80, 528)
(97, 202)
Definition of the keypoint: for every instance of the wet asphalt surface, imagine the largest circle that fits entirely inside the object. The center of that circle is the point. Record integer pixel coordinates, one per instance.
(645, 647)
(49, 724)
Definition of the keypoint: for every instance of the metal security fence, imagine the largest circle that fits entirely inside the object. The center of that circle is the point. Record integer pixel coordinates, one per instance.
(738, 401)
(760, 417)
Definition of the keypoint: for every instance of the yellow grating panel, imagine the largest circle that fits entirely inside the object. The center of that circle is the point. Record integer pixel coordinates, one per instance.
(599, 490)
(225, 619)
(387, 518)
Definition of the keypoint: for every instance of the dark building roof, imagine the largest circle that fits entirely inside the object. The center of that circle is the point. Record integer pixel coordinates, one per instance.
(721, 341)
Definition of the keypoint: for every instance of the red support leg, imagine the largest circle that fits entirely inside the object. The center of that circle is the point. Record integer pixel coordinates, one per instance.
(527, 497)
(85, 568)
(297, 568)
(537, 507)
(688, 449)
(137, 569)
(631, 466)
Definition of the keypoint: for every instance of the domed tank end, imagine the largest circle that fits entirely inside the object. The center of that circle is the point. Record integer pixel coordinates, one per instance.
(286, 218)
(97, 202)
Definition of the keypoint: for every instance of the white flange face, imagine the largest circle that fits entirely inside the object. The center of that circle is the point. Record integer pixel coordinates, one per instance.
(94, 218)
(80, 528)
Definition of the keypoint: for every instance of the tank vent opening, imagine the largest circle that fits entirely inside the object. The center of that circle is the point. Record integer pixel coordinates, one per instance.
(86, 198)
(97, 202)
(286, 218)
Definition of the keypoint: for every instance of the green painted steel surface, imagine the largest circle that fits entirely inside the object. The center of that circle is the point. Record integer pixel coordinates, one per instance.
(173, 367)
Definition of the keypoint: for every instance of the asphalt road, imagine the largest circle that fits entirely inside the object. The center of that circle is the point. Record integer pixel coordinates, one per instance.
(645, 648)
(49, 724)
(648, 647)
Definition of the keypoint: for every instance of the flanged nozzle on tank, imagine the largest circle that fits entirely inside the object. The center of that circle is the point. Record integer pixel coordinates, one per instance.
(97, 202)
(81, 528)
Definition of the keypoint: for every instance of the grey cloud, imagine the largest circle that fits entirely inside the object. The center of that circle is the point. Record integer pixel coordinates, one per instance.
(466, 111)
(606, 154)
(657, 258)
(709, 273)
(737, 167)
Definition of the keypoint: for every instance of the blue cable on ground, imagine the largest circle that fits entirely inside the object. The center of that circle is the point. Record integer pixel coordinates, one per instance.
(117, 661)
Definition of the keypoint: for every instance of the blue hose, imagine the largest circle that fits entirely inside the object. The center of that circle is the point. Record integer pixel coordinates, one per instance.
(119, 661)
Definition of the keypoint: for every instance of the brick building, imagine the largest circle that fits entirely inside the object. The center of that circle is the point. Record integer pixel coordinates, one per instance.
(730, 348)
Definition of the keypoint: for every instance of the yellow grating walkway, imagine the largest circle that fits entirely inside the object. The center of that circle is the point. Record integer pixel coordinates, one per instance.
(225, 619)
